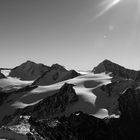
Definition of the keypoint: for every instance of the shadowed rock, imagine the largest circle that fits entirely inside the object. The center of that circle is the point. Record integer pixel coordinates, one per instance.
(81, 126)
(52, 105)
(117, 70)
(28, 71)
(55, 74)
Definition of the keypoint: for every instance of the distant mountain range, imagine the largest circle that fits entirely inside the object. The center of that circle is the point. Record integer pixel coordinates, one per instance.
(53, 103)
(42, 74)
(45, 75)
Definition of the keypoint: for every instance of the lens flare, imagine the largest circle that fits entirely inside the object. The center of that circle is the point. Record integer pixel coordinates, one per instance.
(107, 4)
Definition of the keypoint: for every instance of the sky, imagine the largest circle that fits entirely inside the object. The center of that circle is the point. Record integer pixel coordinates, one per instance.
(78, 34)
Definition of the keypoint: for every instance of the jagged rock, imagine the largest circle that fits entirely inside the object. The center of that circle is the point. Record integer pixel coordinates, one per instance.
(81, 126)
(117, 70)
(130, 105)
(77, 126)
(118, 87)
(28, 71)
(56, 74)
(52, 105)
(58, 67)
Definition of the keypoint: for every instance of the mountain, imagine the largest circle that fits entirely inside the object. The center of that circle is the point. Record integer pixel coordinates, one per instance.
(57, 67)
(28, 71)
(52, 105)
(55, 74)
(117, 70)
(91, 98)
(107, 108)
(75, 126)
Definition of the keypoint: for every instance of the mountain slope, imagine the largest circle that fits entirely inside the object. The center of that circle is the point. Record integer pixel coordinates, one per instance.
(55, 74)
(117, 70)
(66, 109)
(75, 126)
(92, 99)
(52, 105)
(28, 71)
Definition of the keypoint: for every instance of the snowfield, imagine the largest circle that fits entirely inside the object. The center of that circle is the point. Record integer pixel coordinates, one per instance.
(5, 72)
(92, 99)
(10, 83)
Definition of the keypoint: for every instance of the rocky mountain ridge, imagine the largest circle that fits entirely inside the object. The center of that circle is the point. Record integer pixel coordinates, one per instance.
(28, 70)
(52, 105)
(75, 126)
(45, 120)
(117, 70)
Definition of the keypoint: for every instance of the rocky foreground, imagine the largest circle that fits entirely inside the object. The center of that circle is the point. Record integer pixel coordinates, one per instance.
(33, 125)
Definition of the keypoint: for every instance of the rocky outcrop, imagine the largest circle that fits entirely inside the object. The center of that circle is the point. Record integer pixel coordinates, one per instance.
(55, 74)
(28, 71)
(130, 105)
(52, 105)
(77, 126)
(42, 74)
(118, 87)
(3, 97)
(9, 134)
(117, 70)
(17, 129)
(58, 67)
(83, 126)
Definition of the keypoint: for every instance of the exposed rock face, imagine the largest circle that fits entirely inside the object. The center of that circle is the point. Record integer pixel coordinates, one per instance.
(3, 96)
(2, 76)
(117, 88)
(4, 99)
(55, 74)
(28, 71)
(130, 105)
(80, 126)
(117, 70)
(43, 75)
(53, 105)
(58, 67)
(45, 121)
(75, 127)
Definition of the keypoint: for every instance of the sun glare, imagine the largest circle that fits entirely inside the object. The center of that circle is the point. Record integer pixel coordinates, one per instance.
(106, 5)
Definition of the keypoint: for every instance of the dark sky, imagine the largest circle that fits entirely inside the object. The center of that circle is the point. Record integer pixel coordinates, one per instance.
(75, 33)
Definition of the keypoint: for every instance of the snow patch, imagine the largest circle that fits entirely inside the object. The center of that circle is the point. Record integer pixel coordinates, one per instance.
(18, 104)
(10, 82)
(5, 72)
